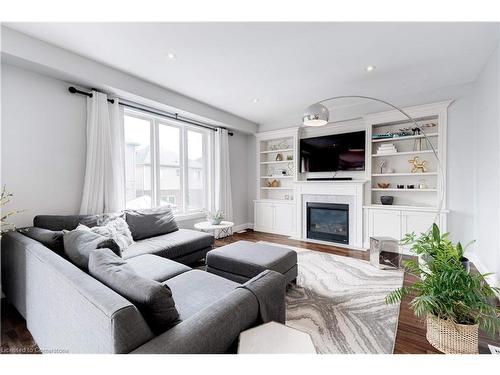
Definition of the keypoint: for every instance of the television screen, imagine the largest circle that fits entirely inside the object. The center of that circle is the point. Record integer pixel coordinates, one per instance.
(331, 153)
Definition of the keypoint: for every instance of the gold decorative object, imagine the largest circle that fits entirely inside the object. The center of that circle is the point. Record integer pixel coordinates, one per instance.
(275, 183)
(418, 165)
(269, 183)
(279, 157)
(383, 185)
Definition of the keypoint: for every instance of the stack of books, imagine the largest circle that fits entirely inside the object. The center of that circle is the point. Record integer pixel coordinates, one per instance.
(387, 148)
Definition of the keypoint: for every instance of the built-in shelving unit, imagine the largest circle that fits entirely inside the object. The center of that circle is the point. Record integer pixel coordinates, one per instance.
(413, 209)
(394, 168)
(276, 165)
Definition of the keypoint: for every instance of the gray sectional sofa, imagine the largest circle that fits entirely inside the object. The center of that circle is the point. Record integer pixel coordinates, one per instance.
(68, 310)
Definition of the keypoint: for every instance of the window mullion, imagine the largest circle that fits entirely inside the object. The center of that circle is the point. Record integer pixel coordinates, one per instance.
(156, 132)
(183, 168)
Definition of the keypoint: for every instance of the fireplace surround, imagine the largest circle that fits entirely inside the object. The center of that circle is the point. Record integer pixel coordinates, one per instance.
(336, 192)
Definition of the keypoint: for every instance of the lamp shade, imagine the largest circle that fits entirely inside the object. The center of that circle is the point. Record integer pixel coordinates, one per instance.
(315, 115)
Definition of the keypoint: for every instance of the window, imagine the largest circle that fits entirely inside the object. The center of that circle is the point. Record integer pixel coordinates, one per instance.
(166, 163)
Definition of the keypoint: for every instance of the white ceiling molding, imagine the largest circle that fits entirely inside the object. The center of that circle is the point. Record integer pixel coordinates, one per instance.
(287, 65)
(30, 53)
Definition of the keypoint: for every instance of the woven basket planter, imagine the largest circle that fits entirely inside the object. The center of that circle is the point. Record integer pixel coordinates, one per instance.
(451, 338)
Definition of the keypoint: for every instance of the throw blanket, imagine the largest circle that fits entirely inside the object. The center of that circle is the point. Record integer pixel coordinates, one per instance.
(269, 289)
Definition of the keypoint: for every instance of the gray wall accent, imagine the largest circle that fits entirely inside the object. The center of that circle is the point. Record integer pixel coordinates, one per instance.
(34, 54)
(43, 148)
(43, 144)
(486, 168)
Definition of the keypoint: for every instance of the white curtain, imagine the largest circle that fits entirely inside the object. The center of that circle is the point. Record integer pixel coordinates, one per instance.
(223, 199)
(104, 185)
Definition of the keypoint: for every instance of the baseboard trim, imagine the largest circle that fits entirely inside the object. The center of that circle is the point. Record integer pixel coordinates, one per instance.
(244, 226)
(492, 280)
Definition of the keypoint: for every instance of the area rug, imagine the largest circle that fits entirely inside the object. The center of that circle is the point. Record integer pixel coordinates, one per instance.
(339, 301)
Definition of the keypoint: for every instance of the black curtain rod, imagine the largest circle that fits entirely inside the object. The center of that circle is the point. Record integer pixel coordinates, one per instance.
(139, 107)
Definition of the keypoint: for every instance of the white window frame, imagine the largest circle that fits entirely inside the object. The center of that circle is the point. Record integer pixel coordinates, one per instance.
(155, 122)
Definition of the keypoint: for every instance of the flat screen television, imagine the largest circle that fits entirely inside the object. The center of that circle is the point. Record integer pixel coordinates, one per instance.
(331, 153)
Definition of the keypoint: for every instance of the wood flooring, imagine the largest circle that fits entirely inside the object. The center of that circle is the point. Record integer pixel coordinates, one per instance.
(410, 338)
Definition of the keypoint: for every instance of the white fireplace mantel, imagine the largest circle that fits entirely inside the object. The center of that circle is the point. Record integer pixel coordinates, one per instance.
(350, 191)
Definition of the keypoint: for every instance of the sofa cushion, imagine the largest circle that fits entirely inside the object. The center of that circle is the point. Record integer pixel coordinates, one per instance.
(152, 298)
(49, 238)
(249, 258)
(79, 243)
(67, 222)
(156, 268)
(151, 222)
(195, 290)
(116, 229)
(172, 245)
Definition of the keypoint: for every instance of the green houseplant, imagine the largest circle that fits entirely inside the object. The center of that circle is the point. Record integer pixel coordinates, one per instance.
(456, 303)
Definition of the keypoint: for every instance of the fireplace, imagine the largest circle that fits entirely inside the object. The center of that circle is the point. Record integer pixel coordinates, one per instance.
(328, 222)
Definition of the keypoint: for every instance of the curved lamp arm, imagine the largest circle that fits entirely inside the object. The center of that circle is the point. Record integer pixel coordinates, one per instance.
(434, 151)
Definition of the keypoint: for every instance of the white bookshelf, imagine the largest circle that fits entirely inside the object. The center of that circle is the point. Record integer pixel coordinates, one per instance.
(397, 169)
(276, 161)
(413, 210)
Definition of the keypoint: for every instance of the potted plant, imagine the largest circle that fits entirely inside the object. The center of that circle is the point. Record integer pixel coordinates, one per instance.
(455, 302)
(215, 217)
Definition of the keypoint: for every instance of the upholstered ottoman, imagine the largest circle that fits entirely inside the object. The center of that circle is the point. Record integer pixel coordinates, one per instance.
(242, 260)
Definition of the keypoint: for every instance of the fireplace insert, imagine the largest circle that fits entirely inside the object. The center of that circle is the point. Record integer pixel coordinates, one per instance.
(328, 222)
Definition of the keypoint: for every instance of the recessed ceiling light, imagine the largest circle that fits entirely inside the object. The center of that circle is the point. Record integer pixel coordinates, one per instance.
(370, 68)
(256, 100)
(171, 55)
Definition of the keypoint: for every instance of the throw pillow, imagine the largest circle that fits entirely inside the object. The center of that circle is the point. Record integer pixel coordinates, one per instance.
(117, 229)
(151, 222)
(51, 239)
(152, 298)
(79, 243)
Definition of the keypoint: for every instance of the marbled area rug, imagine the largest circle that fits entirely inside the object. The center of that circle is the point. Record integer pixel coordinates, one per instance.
(339, 301)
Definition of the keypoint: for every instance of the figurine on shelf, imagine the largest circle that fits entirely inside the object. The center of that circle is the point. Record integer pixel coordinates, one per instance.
(418, 165)
(275, 184)
(279, 157)
(381, 165)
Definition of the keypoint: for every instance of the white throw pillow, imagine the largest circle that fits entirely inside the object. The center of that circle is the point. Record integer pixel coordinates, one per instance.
(117, 229)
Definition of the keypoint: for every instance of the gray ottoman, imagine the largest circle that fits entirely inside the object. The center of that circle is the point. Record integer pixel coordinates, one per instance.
(242, 260)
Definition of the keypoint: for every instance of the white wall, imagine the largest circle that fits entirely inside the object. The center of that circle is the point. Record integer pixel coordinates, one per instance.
(487, 167)
(43, 148)
(43, 144)
(459, 152)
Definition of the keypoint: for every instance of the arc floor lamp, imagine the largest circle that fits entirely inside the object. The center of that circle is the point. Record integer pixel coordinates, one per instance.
(318, 115)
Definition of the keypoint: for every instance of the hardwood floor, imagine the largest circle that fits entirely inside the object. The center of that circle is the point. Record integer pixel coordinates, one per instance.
(410, 338)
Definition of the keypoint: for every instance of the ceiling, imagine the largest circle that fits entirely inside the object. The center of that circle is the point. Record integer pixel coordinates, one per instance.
(285, 65)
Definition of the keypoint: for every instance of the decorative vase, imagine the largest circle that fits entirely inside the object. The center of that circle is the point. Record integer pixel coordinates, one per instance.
(465, 263)
(215, 221)
(452, 338)
(387, 200)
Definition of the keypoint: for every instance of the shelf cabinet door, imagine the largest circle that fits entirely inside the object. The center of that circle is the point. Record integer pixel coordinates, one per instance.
(264, 216)
(418, 222)
(385, 223)
(284, 218)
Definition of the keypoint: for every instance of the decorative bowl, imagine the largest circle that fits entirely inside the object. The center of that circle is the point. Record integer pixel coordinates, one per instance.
(387, 200)
(383, 185)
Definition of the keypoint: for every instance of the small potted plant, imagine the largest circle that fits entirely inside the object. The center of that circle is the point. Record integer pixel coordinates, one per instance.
(215, 217)
(455, 302)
